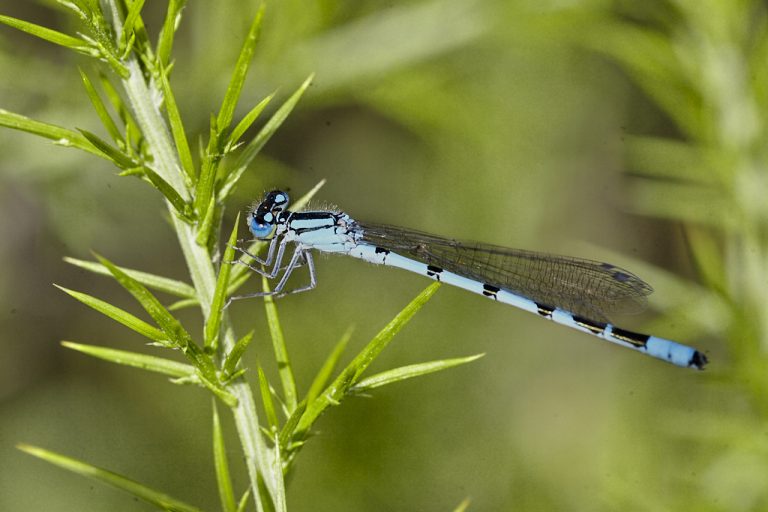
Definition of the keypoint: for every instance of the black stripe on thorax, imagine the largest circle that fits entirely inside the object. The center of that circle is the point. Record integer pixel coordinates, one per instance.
(312, 215)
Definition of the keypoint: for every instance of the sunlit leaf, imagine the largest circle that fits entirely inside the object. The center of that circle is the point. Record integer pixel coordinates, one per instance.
(136, 360)
(163, 284)
(101, 109)
(351, 374)
(408, 372)
(119, 315)
(50, 35)
(244, 60)
(61, 136)
(287, 379)
(266, 398)
(213, 323)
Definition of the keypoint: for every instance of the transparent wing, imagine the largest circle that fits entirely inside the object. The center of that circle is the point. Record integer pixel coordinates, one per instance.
(583, 287)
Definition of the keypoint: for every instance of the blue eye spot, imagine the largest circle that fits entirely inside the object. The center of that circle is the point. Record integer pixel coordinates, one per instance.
(259, 229)
(268, 217)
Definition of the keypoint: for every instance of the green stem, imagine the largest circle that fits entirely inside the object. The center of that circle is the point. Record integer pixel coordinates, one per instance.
(258, 456)
(154, 129)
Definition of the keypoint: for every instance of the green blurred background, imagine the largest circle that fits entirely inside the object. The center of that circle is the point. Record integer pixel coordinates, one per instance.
(619, 131)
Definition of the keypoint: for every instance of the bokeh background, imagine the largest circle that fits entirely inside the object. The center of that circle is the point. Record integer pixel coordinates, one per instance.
(621, 131)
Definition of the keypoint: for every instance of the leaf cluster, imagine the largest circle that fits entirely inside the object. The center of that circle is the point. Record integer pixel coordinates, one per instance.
(132, 96)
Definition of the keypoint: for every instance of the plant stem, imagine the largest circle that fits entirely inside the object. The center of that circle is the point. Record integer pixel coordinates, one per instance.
(141, 97)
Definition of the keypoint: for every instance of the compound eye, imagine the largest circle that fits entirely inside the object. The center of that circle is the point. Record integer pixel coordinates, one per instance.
(259, 227)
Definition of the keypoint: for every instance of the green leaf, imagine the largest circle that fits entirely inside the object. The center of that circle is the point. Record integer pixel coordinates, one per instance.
(163, 284)
(277, 119)
(179, 204)
(382, 339)
(182, 304)
(177, 127)
(266, 399)
(328, 366)
(243, 501)
(410, 371)
(52, 36)
(136, 360)
(168, 32)
(288, 430)
(281, 351)
(223, 479)
(222, 394)
(84, 12)
(131, 19)
(246, 123)
(208, 170)
(235, 87)
(119, 315)
(132, 132)
(101, 108)
(169, 325)
(233, 358)
(213, 323)
(106, 51)
(61, 136)
(204, 231)
(351, 374)
(113, 154)
(276, 466)
(151, 496)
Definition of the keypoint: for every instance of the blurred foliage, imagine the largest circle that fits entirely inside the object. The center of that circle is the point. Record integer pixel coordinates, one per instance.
(478, 119)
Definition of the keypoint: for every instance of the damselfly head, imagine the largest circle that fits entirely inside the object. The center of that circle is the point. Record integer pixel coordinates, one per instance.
(262, 219)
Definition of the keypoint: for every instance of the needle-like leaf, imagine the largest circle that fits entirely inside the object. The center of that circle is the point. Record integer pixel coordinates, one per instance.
(224, 481)
(233, 358)
(50, 35)
(177, 127)
(219, 296)
(246, 123)
(266, 399)
(101, 109)
(163, 284)
(287, 379)
(119, 315)
(61, 136)
(408, 372)
(244, 60)
(156, 364)
(151, 496)
(351, 374)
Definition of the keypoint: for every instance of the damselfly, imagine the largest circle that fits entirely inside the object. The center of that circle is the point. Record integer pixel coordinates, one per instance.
(574, 292)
